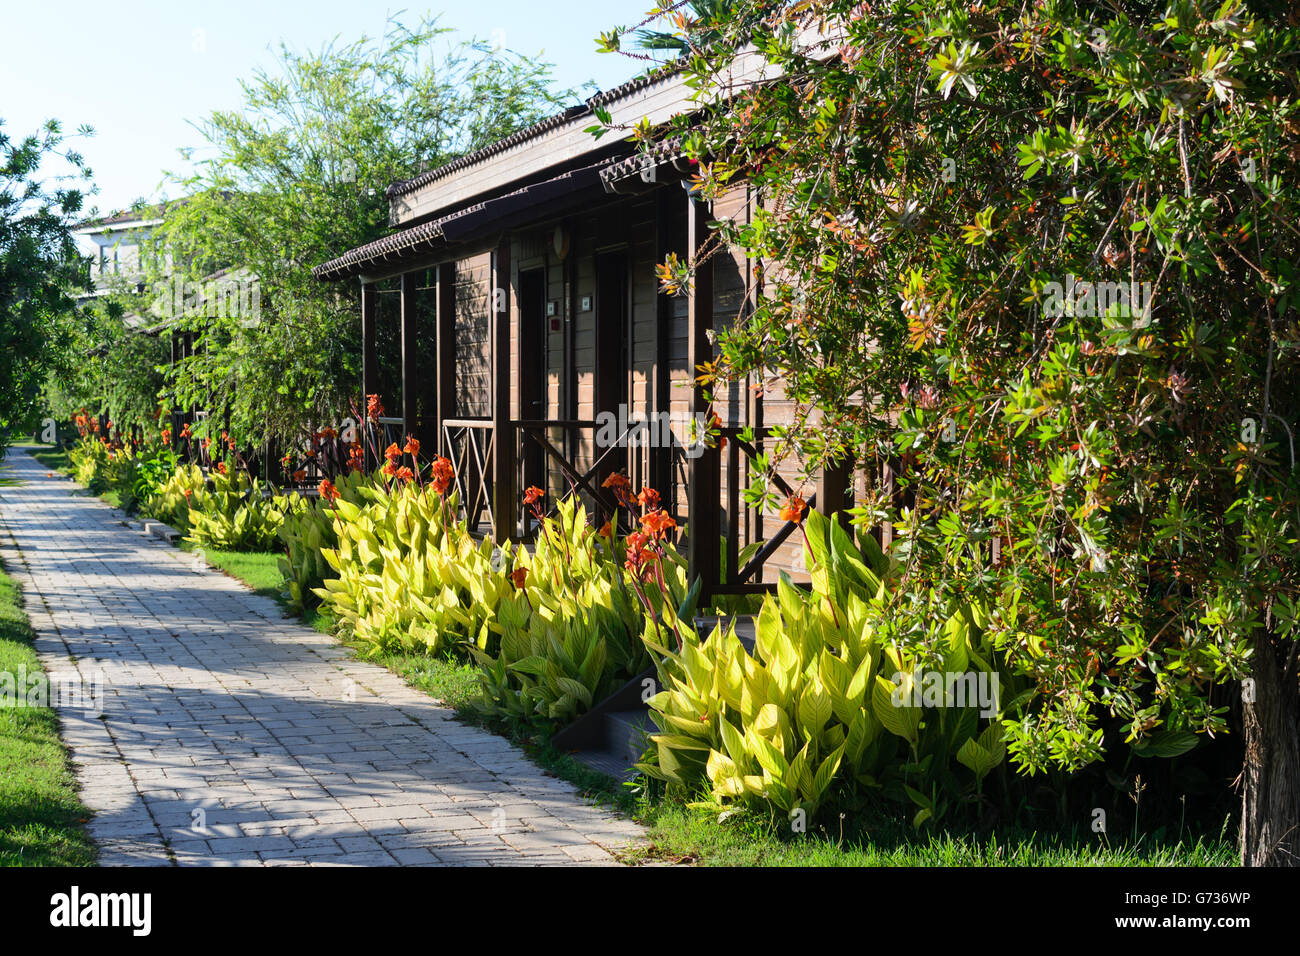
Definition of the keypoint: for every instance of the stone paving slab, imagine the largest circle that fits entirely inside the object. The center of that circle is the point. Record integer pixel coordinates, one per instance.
(213, 731)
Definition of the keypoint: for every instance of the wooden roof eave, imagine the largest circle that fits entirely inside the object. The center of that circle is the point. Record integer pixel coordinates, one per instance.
(656, 99)
(439, 240)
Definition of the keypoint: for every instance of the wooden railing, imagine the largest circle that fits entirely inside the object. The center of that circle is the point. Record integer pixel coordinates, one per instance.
(736, 579)
(470, 444)
(587, 479)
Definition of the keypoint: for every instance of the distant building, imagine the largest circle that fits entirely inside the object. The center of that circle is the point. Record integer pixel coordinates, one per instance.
(120, 243)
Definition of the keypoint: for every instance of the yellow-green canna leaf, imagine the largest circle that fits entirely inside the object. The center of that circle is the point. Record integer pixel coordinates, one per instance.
(891, 705)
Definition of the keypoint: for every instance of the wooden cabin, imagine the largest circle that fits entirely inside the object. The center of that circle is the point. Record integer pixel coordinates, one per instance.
(515, 310)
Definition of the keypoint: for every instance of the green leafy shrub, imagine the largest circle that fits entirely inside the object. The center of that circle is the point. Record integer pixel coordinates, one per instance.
(826, 700)
(308, 531)
(570, 628)
(231, 512)
(154, 468)
(404, 576)
(170, 502)
(104, 467)
(553, 631)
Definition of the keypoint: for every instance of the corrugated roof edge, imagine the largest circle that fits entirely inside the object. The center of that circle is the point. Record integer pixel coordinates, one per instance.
(407, 239)
(401, 187)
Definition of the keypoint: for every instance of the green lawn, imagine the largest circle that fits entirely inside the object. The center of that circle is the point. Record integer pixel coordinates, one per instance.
(41, 816)
(685, 833)
(260, 570)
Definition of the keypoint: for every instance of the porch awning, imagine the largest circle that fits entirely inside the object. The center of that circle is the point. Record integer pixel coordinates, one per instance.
(512, 209)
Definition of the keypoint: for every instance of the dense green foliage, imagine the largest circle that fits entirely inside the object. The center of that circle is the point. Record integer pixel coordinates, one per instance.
(118, 368)
(828, 704)
(233, 511)
(39, 268)
(1045, 254)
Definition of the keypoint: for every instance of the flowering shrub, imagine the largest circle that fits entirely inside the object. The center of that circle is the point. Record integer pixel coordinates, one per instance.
(307, 531)
(569, 625)
(1055, 244)
(553, 630)
(405, 573)
(103, 465)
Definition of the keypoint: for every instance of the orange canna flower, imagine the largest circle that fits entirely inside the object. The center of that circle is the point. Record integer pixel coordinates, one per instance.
(519, 576)
(405, 474)
(374, 408)
(392, 452)
(621, 485)
(640, 559)
(442, 475)
(412, 446)
(328, 491)
(533, 494)
(606, 530)
(300, 476)
(793, 510)
(657, 524)
(390, 469)
(649, 499)
(221, 467)
(328, 432)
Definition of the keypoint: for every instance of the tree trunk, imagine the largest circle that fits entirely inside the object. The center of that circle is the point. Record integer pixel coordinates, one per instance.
(1270, 812)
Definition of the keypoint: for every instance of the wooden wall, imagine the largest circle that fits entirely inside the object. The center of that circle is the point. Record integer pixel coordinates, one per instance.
(630, 226)
(473, 336)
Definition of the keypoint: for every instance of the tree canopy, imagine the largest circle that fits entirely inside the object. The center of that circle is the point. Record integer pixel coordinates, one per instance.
(297, 175)
(1044, 255)
(40, 267)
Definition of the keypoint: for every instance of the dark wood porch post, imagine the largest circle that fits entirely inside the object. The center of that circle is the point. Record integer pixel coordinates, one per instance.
(178, 417)
(660, 374)
(504, 452)
(704, 494)
(369, 366)
(410, 367)
(834, 489)
(445, 403)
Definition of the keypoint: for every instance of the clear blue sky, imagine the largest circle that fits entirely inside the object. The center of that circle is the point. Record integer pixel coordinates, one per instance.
(140, 72)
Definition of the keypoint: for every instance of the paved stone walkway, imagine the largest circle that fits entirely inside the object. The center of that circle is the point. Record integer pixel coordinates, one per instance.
(231, 735)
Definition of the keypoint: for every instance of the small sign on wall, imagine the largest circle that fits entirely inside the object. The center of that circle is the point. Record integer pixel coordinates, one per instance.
(584, 304)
